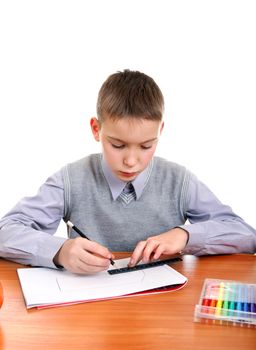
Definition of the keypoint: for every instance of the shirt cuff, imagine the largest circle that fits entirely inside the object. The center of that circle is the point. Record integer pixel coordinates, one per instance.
(47, 249)
(196, 239)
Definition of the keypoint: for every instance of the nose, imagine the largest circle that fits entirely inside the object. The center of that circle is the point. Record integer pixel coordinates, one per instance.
(130, 159)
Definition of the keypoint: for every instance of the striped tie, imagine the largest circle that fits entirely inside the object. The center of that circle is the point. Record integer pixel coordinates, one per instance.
(128, 193)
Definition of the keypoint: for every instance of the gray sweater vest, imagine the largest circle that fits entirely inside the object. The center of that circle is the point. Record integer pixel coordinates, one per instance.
(119, 227)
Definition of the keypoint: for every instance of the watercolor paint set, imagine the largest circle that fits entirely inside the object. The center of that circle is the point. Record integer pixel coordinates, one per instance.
(227, 303)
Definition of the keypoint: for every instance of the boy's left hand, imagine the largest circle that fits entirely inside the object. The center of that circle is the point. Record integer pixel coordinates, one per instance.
(168, 243)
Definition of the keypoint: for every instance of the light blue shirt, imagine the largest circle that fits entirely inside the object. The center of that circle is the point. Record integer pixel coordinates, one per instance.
(27, 231)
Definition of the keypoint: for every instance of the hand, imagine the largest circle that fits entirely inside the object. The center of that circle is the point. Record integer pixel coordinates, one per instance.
(79, 255)
(168, 243)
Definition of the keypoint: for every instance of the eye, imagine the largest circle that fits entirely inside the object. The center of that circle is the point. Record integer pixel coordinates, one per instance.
(117, 146)
(146, 147)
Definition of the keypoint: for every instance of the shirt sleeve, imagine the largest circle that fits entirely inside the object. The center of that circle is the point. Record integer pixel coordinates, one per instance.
(213, 227)
(27, 231)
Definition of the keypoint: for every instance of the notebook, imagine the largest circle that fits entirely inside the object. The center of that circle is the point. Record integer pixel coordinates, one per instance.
(45, 287)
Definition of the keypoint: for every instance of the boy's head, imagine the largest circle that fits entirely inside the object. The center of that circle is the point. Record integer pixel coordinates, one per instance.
(130, 110)
(130, 94)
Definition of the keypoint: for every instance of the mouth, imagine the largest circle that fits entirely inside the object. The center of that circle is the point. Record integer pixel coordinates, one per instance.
(128, 175)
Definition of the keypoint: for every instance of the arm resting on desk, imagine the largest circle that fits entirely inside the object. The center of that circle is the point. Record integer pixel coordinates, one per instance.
(214, 228)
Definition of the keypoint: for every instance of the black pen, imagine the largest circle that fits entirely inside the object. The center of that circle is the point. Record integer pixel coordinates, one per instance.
(71, 225)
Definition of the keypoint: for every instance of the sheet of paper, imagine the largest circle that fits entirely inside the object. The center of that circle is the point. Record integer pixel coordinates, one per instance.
(42, 286)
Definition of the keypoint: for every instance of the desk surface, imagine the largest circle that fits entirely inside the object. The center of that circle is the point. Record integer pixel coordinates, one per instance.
(163, 321)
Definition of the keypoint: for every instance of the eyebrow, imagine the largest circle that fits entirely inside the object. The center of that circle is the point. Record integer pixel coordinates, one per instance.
(121, 141)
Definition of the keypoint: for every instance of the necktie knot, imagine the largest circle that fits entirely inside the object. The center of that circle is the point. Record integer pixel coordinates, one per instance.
(128, 193)
(128, 188)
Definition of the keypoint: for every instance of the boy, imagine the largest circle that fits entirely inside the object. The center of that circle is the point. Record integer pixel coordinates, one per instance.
(124, 199)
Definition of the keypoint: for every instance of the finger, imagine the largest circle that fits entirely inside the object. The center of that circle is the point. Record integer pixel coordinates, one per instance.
(84, 269)
(92, 260)
(149, 249)
(77, 258)
(90, 269)
(96, 249)
(87, 263)
(160, 250)
(137, 253)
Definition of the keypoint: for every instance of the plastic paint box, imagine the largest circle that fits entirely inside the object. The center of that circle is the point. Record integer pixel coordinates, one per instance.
(227, 303)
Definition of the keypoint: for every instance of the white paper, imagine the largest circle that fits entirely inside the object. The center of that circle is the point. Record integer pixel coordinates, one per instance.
(43, 286)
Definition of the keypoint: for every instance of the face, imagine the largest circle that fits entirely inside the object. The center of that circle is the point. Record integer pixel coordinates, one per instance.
(128, 145)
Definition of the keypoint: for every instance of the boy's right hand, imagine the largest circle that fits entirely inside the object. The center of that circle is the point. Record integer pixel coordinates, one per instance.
(79, 255)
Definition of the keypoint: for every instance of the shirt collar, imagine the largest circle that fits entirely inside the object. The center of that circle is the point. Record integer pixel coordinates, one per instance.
(116, 186)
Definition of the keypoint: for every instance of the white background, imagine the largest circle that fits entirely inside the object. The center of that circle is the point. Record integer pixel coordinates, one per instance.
(54, 56)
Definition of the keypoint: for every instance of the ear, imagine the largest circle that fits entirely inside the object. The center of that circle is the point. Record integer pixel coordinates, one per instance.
(95, 127)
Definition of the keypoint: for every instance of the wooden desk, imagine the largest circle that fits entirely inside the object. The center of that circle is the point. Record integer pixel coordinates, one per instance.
(163, 321)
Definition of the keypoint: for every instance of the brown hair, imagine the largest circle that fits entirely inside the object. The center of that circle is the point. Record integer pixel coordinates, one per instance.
(130, 94)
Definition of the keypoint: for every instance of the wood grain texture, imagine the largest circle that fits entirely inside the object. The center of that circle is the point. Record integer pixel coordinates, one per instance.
(163, 321)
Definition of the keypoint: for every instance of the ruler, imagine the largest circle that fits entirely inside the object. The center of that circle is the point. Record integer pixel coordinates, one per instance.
(143, 266)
